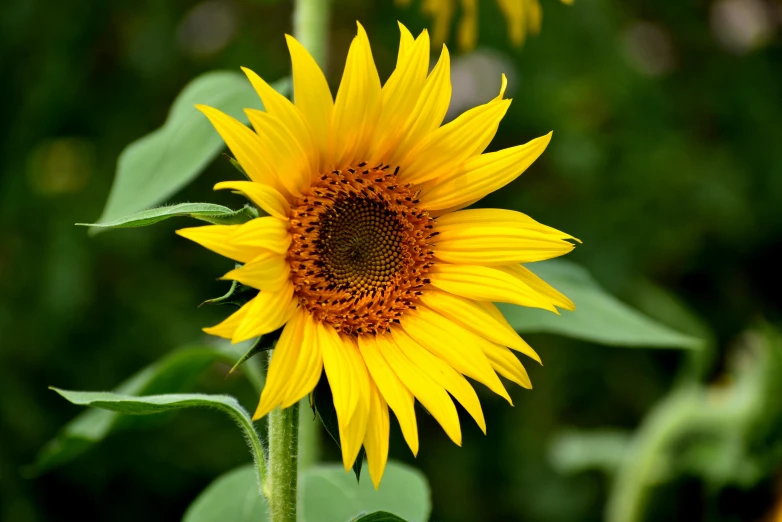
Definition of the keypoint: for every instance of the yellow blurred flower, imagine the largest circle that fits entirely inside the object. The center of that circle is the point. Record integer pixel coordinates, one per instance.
(522, 16)
(366, 260)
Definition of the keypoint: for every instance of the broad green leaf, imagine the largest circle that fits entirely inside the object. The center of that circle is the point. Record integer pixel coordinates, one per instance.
(176, 372)
(328, 494)
(379, 516)
(599, 317)
(231, 497)
(156, 166)
(215, 214)
(149, 404)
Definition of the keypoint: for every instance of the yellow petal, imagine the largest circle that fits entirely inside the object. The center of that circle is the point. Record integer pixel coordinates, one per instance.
(399, 96)
(267, 233)
(284, 152)
(468, 25)
(481, 175)
(442, 12)
(349, 383)
(338, 369)
(469, 314)
(429, 110)
(454, 344)
(352, 427)
(450, 145)
(493, 237)
(525, 275)
(357, 107)
(269, 311)
(442, 373)
(376, 437)
(483, 283)
(311, 94)
(227, 328)
(535, 16)
(399, 398)
(309, 366)
(246, 146)
(268, 271)
(433, 396)
(282, 365)
(264, 196)
(507, 365)
(217, 238)
(494, 312)
(514, 12)
(406, 42)
(281, 107)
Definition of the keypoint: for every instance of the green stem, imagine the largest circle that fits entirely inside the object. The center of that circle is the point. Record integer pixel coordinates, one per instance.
(311, 26)
(281, 481)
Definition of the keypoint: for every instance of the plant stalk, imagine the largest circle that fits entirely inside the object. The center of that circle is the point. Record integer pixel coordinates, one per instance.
(281, 480)
(311, 27)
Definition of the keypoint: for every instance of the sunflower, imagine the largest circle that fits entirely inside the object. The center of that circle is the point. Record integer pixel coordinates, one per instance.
(365, 260)
(522, 17)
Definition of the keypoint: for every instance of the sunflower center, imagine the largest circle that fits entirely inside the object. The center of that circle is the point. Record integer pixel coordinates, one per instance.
(360, 249)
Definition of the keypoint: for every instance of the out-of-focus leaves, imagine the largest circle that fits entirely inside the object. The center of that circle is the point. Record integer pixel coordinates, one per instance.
(576, 451)
(707, 431)
(175, 373)
(211, 213)
(379, 516)
(599, 317)
(233, 496)
(328, 494)
(149, 404)
(323, 403)
(154, 167)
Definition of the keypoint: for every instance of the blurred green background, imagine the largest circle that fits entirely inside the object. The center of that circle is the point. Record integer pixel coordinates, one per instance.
(666, 161)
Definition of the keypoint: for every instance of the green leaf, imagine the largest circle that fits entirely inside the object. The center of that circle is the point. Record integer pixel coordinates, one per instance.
(130, 405)
(231, 497)
(156, 166)
(174, 373)
(379, 516)
(326, 494)
(599, 317)
(329, 494)
(215, 214)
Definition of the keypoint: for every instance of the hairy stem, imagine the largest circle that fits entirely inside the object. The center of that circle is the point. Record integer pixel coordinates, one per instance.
(281, 481)
(310, 27)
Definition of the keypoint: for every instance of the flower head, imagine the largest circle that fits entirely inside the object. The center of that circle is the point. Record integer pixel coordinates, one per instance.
(365, 260)
(522, 16)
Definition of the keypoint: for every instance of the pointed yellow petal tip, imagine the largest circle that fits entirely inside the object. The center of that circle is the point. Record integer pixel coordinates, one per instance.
(261, 411)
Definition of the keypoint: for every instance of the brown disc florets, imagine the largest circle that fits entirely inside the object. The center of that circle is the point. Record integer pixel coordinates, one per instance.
(360, 250)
